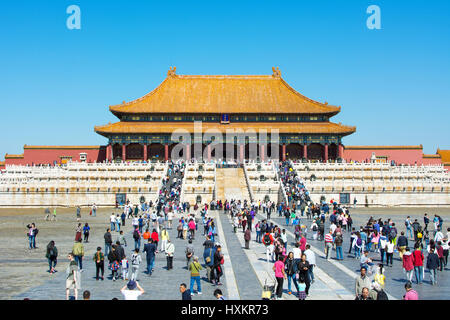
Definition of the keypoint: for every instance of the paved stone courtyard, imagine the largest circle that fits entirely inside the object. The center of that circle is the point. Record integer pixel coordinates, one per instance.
(23, 272)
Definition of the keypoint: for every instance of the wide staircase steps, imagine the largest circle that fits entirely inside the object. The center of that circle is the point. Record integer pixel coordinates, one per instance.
(231, 184)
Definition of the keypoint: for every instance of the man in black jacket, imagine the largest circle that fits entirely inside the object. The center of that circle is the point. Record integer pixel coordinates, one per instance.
(416, 226)
(120, 251)
(432, 265)
(303, 267)
(108, 241)
(402, 244)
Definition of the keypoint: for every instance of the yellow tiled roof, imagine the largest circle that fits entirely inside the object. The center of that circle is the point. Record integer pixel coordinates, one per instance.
(445, 155)
(169, 127)
(224, 94)
(14, 156)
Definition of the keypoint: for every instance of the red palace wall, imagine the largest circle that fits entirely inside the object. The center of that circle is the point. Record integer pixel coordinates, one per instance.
(400, 154)
(50, 155)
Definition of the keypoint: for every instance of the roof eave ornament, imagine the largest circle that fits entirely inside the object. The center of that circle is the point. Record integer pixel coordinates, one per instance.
(276, 72)
(172, 72)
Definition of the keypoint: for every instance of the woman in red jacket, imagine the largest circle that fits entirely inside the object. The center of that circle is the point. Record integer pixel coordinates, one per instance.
(408, 264)
(418, 264)
(155, 238)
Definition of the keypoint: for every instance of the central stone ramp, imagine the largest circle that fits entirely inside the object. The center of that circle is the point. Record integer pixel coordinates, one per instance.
(231, 184)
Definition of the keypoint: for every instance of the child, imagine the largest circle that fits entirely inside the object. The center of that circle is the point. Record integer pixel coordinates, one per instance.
(124, 264)
(301, 288)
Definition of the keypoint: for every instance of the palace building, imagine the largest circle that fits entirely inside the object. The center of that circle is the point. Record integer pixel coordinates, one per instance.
(236, 103)
(264, 113)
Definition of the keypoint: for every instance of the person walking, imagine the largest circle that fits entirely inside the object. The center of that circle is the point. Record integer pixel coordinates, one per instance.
(137, 238)
(280, 275)
(328, 244)
(170, 250)
(303, 268)
(99, 259)
(114, 261)
(121, 239)
(78, 253)
(47, 214)
(108, 241)
(78, 213)
(78, 232)
(52, 256)
(135, 264)
(165, 239)
(150, 249)
(32, 233)
(208, 256)
(311, 258)
(291, 272)
(408, 264)
(195, 267)
(218, 263)
(247, 238)
(432, 265)
(338, 240)
(362, 281)
(86, 230)
(418, 264)
(402, 244)
(72, 277)
(189, 251)
(94, 210)
(390, 252)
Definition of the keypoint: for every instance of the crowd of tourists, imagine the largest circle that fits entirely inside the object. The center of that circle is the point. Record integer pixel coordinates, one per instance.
(420, 245)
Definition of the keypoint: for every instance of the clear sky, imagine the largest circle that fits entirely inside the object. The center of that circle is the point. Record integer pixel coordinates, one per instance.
(56, 84)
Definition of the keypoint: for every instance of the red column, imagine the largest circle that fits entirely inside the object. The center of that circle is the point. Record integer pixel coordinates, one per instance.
(305, 151)
(188, 152)
(341, 151)
(166, 151)
(283, 151)
(124, 152)
(326, 152)
(108, 152)
(208, 151)
(241, 153)
(145, 152)
(261, 152)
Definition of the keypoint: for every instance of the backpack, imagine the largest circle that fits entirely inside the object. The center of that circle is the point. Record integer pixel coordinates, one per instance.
(359, 241)
(267, 239)
(36, 231)
(315, 227)
(134, 259)
(136, 235)
(393, 233)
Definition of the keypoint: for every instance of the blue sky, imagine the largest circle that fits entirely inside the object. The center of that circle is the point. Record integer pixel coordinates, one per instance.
(56, 84)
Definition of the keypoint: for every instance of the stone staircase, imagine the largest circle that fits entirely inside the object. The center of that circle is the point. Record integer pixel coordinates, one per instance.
(231, 184)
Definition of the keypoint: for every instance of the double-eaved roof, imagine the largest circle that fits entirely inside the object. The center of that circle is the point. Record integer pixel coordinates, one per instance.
(207, 94)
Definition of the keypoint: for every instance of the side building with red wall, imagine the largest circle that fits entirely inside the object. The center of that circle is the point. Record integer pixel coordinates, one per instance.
(399, 154)
(36, 155)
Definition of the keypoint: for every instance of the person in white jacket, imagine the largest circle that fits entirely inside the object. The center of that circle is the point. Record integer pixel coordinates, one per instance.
(311, 258)
(315, 229)
(170, 250)
(135, 263)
